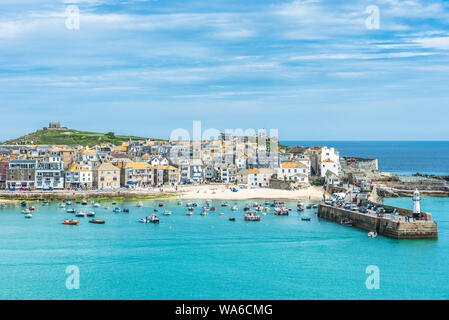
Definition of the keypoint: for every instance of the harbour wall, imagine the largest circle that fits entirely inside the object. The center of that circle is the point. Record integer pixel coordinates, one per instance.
(75, 195)
(386, 226)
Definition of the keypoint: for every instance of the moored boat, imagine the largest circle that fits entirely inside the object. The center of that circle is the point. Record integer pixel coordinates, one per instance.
(71, 210)
(97, 221)
(62, 205)
(117, 209)
(70, 222)
(81, 214)
(28, 216)
(139, 204)
(251, 216)
(167, 213)
(26, 211)
(189, 213)
(90, 214)
(372, 234)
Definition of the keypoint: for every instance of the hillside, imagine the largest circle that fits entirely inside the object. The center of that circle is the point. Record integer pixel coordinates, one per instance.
(70, 137)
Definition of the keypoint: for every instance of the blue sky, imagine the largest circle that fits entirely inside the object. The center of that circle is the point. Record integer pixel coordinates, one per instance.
(311, 69)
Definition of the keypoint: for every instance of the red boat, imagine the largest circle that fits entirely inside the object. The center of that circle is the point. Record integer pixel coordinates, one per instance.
(160, 204)
(213, 209)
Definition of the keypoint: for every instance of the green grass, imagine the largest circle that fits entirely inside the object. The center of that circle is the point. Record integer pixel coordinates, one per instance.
(71, 138)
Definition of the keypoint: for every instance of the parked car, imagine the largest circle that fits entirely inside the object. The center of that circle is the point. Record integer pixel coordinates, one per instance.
(380, 210)
(389, 209)
(354, 207)
(363, 210)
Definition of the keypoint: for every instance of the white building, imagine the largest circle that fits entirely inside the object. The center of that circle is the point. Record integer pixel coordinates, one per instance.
(79, 176)
(329, 161)
(50, 173)
(259, 177)
(298, 171)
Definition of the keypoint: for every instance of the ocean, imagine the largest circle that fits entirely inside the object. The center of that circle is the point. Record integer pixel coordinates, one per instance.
(401, 157)
(209, 257)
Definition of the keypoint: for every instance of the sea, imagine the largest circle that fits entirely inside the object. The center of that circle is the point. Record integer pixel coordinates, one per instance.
(210, 257)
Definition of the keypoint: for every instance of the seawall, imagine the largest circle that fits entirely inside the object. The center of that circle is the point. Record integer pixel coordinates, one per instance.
(390, 226)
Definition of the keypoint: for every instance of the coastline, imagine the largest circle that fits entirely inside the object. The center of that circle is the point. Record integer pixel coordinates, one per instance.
(213, 192)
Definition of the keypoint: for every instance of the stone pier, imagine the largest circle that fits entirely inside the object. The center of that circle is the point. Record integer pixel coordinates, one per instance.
(390, 226)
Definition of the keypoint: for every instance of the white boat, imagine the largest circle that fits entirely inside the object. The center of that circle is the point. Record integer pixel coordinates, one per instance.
(221, 213)
(189, 213)
(62, 205)
(26, 211)
(166, 213)
(96, 205)
(204, 213)
(71, 210)
(139, 204)
(252, 216)
(372, 234)
(81, 214)
(28, 216)
(91, 214)
(234, 208)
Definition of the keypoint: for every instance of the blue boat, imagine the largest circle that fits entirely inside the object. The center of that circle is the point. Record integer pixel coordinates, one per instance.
(23, 203)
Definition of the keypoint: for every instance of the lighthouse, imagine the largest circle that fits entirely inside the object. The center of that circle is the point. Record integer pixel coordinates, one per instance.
(416, 202)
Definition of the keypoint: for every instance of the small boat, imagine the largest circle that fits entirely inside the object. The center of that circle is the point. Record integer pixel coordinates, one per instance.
(189, 213)
(234, 208)
(179, 203)
(154, 218)
(195, 204)
(62, 205)
(213, 209)
(32, 208)
(26, 211)
(139, 204)
(117, 209)
(309, 206)
(114, 203)
(224, 204)
(315, 206)
(281, 212)
(97, 221)
(306, 218)
(46, 203)
(221, 213)
(154, 210)
(28, 216)
(69, 202)
(96, 204)
(231, 219)
(125, 210)
(252, 216)
(161, 205)
(204, 213)
(71, 210)
(90, 214)
(84, 203)
(23, 203)
(372, 234)
(300, 206)
(70, 222)
(346, 222)
(166, 213)
(81, 214)
(191, 209)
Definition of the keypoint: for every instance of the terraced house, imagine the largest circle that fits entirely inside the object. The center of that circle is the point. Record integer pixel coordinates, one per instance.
(21, 174)
(50, 173)
(106, 176)
(166, 175)
(137, 174)
(78, 176)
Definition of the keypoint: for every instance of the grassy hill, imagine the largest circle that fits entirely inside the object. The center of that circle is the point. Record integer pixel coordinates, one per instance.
(70, 137)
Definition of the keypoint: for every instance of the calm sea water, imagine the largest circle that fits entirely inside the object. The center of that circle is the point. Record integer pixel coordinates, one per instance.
(404, 157)
(208, 257)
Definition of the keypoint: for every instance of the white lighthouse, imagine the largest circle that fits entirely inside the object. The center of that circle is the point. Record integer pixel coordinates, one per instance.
(416, 202)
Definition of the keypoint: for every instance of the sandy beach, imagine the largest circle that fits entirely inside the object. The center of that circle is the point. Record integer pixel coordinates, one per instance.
(223, 192)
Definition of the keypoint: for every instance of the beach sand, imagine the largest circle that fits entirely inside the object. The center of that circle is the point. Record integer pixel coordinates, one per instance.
(223, 192)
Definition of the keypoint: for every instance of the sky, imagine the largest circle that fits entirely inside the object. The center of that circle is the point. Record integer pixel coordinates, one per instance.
(314, 70)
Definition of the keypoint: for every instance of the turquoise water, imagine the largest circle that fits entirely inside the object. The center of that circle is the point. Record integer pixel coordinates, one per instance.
(208, 257)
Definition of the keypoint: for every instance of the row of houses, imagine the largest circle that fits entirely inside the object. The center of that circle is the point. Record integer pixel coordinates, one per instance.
(151, 163)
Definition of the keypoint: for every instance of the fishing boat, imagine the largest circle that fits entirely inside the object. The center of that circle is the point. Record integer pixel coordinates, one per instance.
(71, 210)
(167, 213)
(117, 209)
(189, 213)
(26, 211)
(372, 234)
(28, 216)
(139, 204)
(62, 205)
(346, 222)
(70, 222)
(251, 216)
(97, 221)
(90, 214)
(81, 214)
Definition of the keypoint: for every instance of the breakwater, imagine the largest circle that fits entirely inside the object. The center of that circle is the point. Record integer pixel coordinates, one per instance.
(392, 226)
(88, 194)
